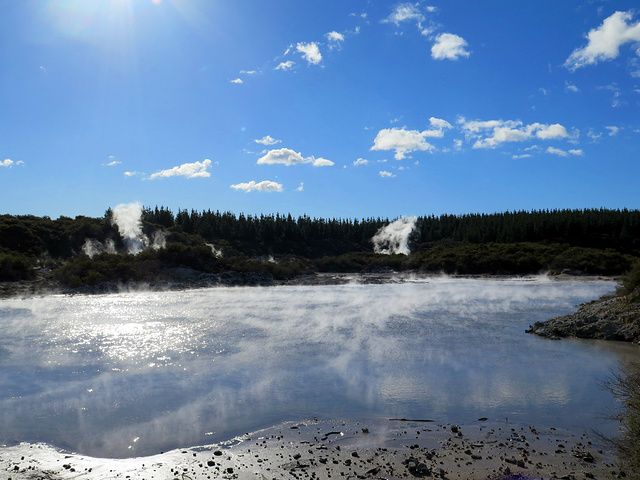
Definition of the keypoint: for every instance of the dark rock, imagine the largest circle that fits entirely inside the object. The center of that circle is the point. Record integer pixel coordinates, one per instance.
(609, 318)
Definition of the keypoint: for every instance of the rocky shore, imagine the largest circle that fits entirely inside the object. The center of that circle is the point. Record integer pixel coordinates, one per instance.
(612, 317)
(385, 449)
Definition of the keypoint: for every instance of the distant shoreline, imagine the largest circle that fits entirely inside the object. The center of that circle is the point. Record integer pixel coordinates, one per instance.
(187, 279)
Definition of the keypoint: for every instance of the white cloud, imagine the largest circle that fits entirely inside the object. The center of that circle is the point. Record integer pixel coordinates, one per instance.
(288, 157)
(546, 132)
(335, 36)
(594, 136)
(563, 153)
(248, 72)
(557, 151)
(132, 174)
(405, 12)
(475, 126)
(300, 187)
(569, 87)
(605, 41)
(321, 162)
(288, 65)
(264, 186)
(449, 46)
(112, 163)
(524, 155)
(439, 123)
(503, 134)
(360, 161)
(283, 156)
(237, 80)
(310, 52)
(385, 174)
(188, 170)
(410, 12)
(613, 131)
(500, 131)
(268, 140)
(10, 163)
(402, 141)
(491, 133)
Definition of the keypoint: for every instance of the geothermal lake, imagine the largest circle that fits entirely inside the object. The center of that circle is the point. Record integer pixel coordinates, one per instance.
(136, 373)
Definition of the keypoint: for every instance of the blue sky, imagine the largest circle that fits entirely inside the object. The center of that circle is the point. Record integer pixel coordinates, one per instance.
(332, 108)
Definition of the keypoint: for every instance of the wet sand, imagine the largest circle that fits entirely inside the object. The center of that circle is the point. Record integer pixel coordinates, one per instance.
(384, 449)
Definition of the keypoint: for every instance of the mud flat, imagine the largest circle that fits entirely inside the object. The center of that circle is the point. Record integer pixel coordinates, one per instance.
(383, 449)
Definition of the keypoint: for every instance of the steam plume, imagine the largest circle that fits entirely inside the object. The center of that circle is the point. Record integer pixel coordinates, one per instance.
(216, 252)
(93, 247)
(159, 240)
(128, 219)
(394, 238)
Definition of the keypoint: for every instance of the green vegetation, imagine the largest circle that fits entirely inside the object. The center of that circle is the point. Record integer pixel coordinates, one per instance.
(631, 282)
(594, 241)
(625, 387)
(14, 267)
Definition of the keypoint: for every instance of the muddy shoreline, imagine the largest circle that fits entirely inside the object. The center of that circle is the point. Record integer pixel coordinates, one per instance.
(383, 449)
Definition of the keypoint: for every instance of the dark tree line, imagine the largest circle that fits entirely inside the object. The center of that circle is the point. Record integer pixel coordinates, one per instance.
(272, 234)
(591, 240)
(313, 237)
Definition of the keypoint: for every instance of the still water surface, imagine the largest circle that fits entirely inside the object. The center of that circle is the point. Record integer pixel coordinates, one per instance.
(137, 373)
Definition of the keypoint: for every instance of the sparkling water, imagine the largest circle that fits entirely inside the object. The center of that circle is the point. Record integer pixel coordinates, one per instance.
(137, 373)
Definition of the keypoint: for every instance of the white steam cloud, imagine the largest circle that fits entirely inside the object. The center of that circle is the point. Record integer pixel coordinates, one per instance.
(216, 252)
(93, 247)
(394, 238)
(128, 218)
(158, 240)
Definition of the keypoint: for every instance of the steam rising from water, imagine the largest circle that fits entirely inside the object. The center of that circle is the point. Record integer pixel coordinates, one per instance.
(170, 368)
(394, 238)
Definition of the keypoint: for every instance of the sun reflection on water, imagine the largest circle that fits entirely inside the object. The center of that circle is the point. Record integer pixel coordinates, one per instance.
(128, 331)
(169, 368)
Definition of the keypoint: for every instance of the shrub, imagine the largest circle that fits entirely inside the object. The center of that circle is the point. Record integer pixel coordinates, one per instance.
(14, 267)
(631, 280)
(625, 387)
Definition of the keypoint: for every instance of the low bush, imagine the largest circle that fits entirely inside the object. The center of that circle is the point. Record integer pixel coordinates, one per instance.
(631, 280)
(625, 387)
(15, 267)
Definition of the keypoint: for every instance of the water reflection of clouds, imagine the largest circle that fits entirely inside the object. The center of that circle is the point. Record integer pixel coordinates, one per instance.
(234, 359)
